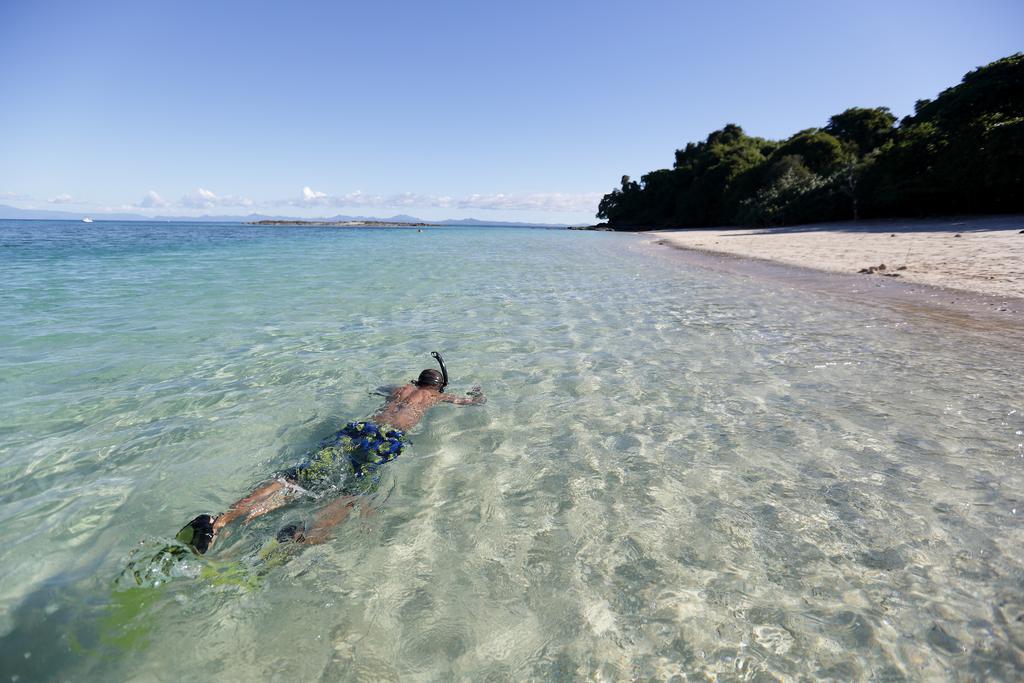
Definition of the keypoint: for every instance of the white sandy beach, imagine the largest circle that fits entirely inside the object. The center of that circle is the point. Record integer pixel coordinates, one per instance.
(982, 254)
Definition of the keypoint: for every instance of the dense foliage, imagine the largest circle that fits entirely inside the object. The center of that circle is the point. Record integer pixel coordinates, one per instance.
(960, 153)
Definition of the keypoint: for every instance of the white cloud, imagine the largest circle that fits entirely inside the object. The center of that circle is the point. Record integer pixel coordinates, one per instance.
(549, 201)
(407, 202)
(543, 201)
(413, 199)
(207, 199)
(311, 195)
(152, 200)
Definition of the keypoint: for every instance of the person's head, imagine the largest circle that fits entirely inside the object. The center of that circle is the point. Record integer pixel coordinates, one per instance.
(430, 378)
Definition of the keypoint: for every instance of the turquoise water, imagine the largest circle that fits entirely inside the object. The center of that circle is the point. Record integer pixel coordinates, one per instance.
(678, 472)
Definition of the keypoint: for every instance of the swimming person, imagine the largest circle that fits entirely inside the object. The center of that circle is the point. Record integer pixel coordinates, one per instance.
(346, 465)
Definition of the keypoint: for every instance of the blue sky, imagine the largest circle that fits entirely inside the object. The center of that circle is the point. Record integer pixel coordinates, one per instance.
(499, 110)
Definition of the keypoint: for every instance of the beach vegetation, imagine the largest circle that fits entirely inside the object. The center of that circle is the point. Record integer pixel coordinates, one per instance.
(961, 152)
(863, 130)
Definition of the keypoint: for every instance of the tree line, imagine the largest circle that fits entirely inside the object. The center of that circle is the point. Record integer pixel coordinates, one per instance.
(962, 152)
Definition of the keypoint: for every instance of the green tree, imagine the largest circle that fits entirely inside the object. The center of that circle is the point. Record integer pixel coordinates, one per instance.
(622, 206)
(711, 175)
(793, 193)
(821, 152)
(864, 129)
(961, 152)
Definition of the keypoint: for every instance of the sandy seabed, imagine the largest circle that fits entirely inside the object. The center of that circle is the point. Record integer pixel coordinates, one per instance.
(984, 255)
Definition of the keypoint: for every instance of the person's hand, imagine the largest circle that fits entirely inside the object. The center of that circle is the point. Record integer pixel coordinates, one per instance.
(477, 393)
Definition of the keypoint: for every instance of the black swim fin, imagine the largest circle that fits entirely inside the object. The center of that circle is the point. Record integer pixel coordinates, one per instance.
(291, 534)
(198, 534)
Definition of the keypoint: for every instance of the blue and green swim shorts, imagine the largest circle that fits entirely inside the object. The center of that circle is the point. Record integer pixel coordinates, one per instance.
(348, 462)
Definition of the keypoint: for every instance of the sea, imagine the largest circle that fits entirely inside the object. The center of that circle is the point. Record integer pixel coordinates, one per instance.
(679, 474)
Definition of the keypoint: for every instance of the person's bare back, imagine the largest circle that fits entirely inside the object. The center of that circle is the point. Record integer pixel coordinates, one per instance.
(408, 404)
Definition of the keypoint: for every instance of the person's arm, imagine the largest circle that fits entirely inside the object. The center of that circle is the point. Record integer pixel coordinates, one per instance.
(475, 394)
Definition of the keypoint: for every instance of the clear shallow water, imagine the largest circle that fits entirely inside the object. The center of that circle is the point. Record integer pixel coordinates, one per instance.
(678, 472)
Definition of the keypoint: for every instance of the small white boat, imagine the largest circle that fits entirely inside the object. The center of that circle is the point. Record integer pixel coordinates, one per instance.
(87, 220)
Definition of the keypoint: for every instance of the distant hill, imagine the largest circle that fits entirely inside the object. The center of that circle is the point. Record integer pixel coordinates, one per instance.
(11, 212)
(44, 215)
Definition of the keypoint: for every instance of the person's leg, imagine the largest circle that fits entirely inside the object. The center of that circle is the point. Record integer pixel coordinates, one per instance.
(201, 532)
(266, 498)
(333, 514)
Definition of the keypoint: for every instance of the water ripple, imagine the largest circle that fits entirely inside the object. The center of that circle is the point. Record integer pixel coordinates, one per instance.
(679, 474)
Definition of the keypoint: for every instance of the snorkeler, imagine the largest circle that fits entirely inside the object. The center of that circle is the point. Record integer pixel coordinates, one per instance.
(346, 465)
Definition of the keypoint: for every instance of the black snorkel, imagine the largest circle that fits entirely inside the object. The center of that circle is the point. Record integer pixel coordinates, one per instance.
(444, 370)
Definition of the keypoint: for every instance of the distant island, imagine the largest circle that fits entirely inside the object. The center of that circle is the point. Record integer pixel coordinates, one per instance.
(13, 213)
(344, 224)
(961, 153)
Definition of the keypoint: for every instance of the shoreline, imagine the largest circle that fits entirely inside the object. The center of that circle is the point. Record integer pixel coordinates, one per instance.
(984, 255)
(803, 259)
